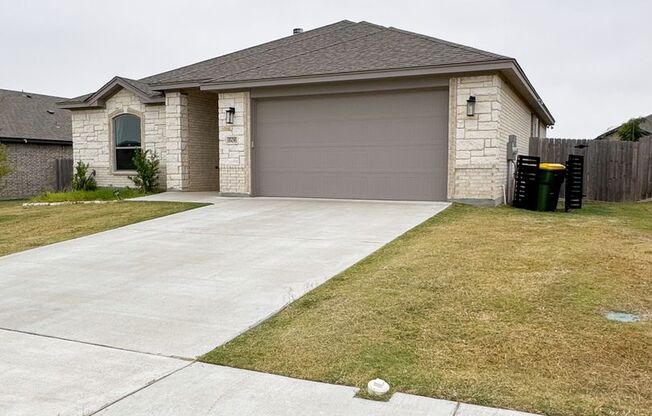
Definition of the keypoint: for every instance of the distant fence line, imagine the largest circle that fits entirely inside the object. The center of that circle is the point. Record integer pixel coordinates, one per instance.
(615, 171)
(63, 169)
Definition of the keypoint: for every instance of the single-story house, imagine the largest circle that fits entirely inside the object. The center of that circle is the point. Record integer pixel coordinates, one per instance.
(36, 134)
(348, 110)
(613, 136)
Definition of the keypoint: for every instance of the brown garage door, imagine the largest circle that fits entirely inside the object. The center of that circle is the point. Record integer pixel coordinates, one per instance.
(390, 145)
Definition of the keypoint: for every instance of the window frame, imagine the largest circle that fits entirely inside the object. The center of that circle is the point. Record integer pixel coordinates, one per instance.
(113, 144)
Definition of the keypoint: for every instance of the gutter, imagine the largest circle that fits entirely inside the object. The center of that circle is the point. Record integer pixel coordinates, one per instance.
(509, 67)
(23, 140)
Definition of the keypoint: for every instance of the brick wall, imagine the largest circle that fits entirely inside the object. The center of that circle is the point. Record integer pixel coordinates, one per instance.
(92, 144)
(33, 169)
(235, 146)
(203, 142)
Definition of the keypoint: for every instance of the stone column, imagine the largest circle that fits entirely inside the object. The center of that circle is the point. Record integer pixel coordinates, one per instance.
(475, 168)
(235, 144)
(176, 129)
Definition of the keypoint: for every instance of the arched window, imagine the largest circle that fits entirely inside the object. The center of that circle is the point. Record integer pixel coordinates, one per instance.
(126, 132)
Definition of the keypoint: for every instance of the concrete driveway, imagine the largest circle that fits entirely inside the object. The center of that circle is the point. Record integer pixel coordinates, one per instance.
(85, 321)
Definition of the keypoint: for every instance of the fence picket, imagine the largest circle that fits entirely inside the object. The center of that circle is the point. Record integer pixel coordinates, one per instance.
(613, 170)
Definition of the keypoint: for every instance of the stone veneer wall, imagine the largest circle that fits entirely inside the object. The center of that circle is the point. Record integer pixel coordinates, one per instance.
(176, 130)
(92, 144)
(235, 145)
(478, 144)
(33, 169)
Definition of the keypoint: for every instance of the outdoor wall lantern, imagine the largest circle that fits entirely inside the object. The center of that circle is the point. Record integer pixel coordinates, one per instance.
(470, 106)
(230, 115)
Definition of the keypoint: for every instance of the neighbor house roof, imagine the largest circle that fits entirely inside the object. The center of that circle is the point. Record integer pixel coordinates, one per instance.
(29, 117)
(646, 126)
(340, 51)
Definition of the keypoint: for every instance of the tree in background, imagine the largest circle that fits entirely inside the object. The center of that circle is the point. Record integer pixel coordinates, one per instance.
(631, 130)
(4, 163)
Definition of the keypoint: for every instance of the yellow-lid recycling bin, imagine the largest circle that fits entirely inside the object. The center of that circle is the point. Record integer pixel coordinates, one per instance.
(551, 176)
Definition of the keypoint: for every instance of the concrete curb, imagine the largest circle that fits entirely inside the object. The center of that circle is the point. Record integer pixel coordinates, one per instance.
(56, 204)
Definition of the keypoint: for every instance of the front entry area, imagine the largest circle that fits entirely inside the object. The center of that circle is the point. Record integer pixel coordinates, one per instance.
(381, 145)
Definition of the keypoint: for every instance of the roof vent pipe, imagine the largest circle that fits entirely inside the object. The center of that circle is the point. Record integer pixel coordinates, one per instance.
(297, 30)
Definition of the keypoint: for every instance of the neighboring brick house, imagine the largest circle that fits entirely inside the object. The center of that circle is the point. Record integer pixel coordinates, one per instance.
(36, 133)
(348, 110)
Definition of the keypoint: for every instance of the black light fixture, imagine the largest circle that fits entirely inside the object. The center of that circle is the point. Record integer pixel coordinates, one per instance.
(230, 115)
(470, 106)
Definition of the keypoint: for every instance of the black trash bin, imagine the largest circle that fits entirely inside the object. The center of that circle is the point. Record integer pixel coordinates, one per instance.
(551, 176)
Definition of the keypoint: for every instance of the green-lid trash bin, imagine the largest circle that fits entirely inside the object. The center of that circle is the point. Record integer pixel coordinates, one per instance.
(551, 176)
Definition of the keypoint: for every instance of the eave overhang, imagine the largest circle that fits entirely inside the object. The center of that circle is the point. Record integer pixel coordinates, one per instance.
(97, 99)
(510, 69)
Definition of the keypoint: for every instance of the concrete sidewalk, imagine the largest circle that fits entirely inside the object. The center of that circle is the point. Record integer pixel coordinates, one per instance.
(204, 389)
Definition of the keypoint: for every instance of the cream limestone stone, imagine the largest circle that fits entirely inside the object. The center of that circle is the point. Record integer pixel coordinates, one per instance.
(93, 144)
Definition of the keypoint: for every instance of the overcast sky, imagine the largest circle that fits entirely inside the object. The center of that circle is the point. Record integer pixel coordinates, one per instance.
(590, 60)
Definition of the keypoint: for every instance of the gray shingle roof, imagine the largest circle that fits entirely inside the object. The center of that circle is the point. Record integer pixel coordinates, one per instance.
(141, 88)
(342, 47)
(33, 116)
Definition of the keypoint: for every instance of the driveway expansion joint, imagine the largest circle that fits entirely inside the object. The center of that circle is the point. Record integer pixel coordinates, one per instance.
(94, 344)
(152, 382)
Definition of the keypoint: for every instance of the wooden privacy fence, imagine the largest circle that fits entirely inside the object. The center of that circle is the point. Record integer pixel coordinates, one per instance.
(63, 173)
(614, 171)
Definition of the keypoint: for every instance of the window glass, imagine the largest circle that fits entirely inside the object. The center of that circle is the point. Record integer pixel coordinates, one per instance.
(126, 131)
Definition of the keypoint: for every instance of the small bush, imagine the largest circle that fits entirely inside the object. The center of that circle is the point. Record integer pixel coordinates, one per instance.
(82, 180)
(147, 168)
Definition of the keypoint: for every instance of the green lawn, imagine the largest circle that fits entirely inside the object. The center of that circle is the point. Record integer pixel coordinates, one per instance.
(99, 194)
(493, 306)
(22, 228)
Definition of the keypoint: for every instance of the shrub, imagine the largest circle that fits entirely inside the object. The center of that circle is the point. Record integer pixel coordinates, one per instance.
(631, 130)
(4, 163)
(147, 169)
(82, 180)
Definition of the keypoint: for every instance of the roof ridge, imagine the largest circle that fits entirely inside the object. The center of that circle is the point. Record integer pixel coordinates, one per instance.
(448, 43)
(136, 84)
(299, 38)
(299, 54)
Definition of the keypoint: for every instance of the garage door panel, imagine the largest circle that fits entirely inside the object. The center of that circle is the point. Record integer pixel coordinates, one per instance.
(341, 185)
(368, 146)
(406, 130)
(415, 158)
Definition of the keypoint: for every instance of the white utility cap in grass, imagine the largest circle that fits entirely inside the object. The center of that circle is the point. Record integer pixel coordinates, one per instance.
(377, 387)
